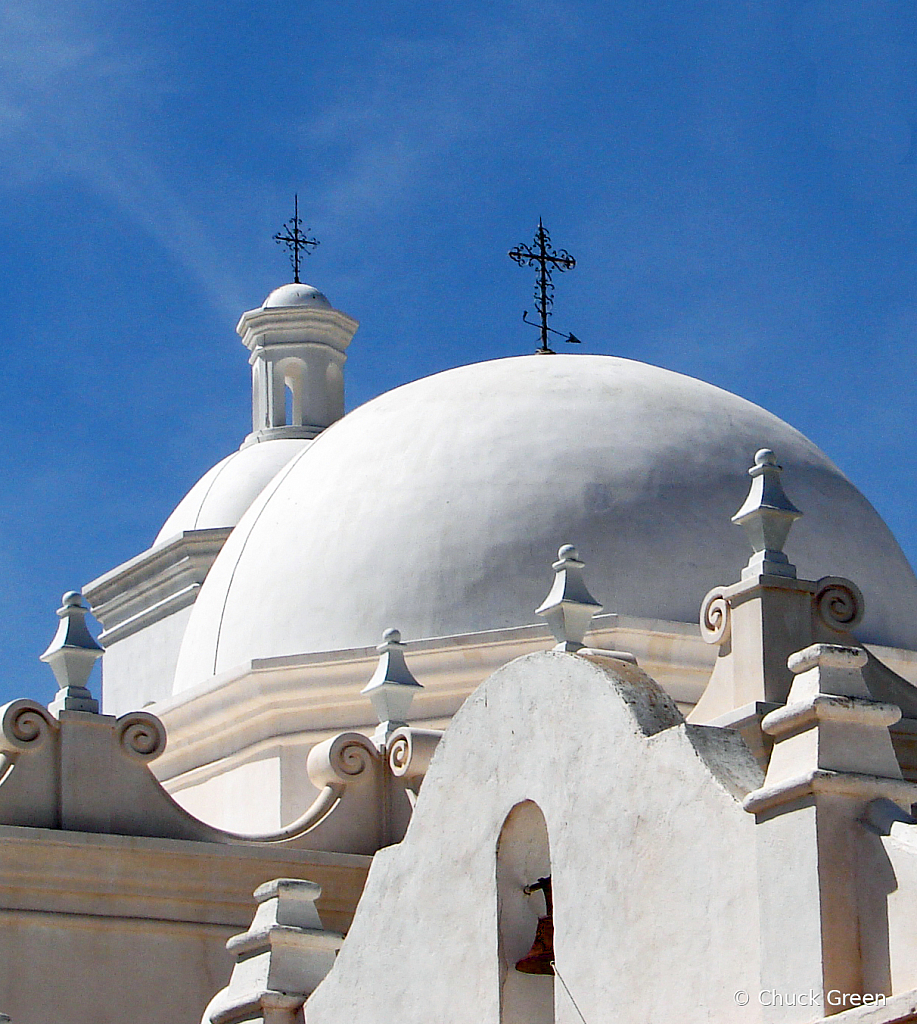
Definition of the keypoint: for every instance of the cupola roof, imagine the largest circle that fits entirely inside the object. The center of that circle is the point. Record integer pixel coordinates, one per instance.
(295, 295)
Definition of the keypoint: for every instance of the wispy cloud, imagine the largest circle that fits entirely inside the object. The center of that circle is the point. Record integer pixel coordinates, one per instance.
(76, 101)
(419, 101)
(394, 135)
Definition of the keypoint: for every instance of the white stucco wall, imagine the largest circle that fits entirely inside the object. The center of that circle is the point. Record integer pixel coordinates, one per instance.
(254, 785)
(652, 859)
(887, 868)
(142, 664)
(97, 987)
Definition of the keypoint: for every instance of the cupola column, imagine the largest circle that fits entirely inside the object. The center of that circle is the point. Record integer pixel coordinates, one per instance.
(298, 346)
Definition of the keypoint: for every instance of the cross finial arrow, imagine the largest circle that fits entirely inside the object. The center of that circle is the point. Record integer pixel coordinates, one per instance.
(295, 239)
(542, 255)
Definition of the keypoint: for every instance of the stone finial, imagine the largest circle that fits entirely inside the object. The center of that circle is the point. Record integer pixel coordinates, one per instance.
(830, 727)
(71, 655)
(392, 687)
(829, 668)
(569, 607)
(280, 960)
(767, 516)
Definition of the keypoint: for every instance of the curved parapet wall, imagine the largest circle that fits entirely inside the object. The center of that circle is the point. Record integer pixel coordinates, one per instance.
(624, 802)
(106, 786)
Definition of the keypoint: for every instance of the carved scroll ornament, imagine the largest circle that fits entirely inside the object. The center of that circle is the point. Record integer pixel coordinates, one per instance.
(26, 725)
(141, 735)
(715, 617)
(839, 603)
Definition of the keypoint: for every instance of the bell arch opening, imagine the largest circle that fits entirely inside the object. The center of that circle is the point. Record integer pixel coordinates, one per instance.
(524, 917)
(289, 415)
(294, 388)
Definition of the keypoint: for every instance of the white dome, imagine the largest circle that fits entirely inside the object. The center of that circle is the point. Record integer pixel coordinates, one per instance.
(224, 492)
(295, 295)
(438, 508)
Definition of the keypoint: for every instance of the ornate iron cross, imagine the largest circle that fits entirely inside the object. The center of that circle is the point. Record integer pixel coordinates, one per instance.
(542, 255)
(295, 240)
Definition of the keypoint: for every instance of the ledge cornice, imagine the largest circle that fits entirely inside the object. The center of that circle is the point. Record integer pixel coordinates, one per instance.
(314, 695)
(97, 875)
(154, 584)
(278, 325)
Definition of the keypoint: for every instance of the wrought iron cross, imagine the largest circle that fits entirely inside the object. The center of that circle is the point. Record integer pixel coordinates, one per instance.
(542, 255)
(295, 240)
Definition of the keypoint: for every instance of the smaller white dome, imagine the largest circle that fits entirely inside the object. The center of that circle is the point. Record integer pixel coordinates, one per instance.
(295, 295)
(224, 492)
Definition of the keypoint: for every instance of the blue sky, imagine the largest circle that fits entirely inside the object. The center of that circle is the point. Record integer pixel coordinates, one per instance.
(736, 178)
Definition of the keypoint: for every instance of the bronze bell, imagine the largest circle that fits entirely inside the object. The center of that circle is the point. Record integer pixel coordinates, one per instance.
(540, 958)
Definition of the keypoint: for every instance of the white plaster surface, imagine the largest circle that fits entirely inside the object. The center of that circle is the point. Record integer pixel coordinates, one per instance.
(137, 670)
(289, 704)
(887, 866)
(254, 785)
(92, 983)
(144, 606)
(439, 507)
(224, 492)
(652, 860)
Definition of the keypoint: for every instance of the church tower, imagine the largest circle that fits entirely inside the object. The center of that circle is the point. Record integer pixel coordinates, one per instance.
(298, 344)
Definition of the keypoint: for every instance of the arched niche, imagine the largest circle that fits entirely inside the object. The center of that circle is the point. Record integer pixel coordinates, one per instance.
(523, 856)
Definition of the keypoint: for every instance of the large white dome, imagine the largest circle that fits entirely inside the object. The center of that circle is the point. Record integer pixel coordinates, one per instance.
(439, 506)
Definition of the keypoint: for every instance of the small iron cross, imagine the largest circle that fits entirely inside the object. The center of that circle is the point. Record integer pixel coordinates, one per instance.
(295, 240)
(543, 256)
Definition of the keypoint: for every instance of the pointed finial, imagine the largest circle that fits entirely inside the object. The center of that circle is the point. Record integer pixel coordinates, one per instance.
(71, 655)
(766, 517)
(392, 687)
(569, 607)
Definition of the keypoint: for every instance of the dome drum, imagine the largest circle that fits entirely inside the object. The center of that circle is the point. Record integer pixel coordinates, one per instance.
(297, 359)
